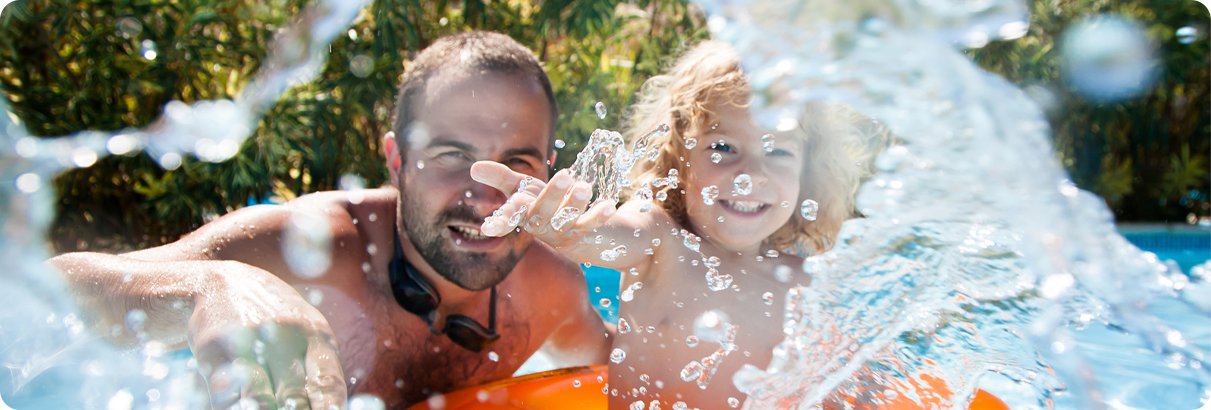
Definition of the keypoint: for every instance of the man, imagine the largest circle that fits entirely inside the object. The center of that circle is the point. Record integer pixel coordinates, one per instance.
(398, 318)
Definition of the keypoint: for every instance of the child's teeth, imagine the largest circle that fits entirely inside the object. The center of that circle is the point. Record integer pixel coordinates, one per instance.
(745, 206)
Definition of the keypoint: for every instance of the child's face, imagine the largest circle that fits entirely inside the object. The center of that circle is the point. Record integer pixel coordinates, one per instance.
(747, 219)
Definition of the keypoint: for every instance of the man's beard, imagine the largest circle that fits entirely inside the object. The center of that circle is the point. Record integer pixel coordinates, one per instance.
(469, 270)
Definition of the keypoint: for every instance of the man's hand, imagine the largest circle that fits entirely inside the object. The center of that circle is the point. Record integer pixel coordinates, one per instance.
(255, 338)
(552, 211)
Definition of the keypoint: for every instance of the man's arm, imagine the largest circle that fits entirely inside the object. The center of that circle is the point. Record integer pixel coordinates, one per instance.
(178, 294)
(582, 338)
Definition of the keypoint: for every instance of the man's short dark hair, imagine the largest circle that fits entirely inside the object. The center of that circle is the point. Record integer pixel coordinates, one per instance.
(459, 53)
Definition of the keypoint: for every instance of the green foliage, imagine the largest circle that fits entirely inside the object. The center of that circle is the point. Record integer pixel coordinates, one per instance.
(1148, 156)
(67, 66)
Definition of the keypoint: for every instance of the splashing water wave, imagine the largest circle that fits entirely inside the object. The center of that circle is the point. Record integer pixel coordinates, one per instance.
(42, 333)
(976, 254)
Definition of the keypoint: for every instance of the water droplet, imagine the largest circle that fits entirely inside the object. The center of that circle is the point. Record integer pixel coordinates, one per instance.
(733, 402)
(720, 219)
(605, 302)
(691, 340)
(135, 320)
(661, 196)
(691, 371)
(644, 193)
(716, 157)
(493, 356)
(575, 383)
(711, 262)
(680, 405)
(649, 251)
(711, 325)
(771, 253)
(84, 157)
(768, 298)
(366, 402)
(129, 27)
(361, 65)
(29, 183)
(634, 272)
(563, 216)
(767, 142)
(691, 242)
(716, 281)
(786, 204)
(147, 49)
(623, 327)
(637, 232)
(690, 143)
(307, 245)
(809, 209)
(1108, 58)
(743, 184)
(559, 144)
(709, 194)
(653, 153)
(637, 405)
(467, 193)
(628, 294)
(783, 273)
(610, 255)
(601, 110)
(1187, 35)
(600, 379)
(618, 355)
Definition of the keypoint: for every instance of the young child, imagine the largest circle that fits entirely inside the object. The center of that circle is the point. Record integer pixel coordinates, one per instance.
(711, 238)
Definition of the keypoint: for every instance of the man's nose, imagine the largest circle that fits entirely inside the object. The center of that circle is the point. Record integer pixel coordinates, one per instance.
(484, 199)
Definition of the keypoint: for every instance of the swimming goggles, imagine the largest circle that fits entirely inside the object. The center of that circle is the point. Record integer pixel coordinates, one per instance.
(416, 295)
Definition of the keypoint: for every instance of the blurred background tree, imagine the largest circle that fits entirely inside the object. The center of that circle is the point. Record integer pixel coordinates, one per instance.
(110, 64)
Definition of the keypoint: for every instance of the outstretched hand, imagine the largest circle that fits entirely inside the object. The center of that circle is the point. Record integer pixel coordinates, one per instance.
(550, 211)
(256, 339)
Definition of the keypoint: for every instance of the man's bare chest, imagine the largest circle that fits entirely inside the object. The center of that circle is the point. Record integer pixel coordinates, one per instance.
(395, 356)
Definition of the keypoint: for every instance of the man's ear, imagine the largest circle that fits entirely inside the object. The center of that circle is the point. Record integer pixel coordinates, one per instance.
(392, 153)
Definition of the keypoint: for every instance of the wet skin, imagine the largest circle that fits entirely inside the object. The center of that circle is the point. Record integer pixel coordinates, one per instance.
(674, 291)
(227, 283)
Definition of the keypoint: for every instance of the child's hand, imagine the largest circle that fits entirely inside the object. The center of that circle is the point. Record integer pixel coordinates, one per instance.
(535, 207)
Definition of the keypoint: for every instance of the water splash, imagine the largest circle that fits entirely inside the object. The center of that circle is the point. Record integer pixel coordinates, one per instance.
(46, 342)
(605, 161)
(965, 225)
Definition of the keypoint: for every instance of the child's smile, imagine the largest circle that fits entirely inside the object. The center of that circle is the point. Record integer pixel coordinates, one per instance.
(752, 178)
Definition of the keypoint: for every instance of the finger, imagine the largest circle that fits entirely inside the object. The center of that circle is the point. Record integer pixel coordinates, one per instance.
(285, 361)
(325, 379)
(509, 215)
(496, 175)
(260, 387)
(596, 216)
(551, 198)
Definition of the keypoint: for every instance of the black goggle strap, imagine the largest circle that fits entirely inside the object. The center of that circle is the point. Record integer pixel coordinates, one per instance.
(492, 312)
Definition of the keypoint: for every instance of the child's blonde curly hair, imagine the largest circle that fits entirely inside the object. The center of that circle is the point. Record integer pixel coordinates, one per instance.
(834, 155)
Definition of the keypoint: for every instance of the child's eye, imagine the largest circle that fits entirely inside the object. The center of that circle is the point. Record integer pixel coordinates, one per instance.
(780, 152)
(721, 146)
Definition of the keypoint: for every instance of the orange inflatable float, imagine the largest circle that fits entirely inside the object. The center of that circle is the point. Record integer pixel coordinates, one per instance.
(579, 388)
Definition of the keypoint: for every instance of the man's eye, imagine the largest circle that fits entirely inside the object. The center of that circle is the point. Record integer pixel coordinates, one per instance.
(721, 146)
(453, 155)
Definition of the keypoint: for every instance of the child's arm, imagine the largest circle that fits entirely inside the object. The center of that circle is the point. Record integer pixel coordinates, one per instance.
(577, 237)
